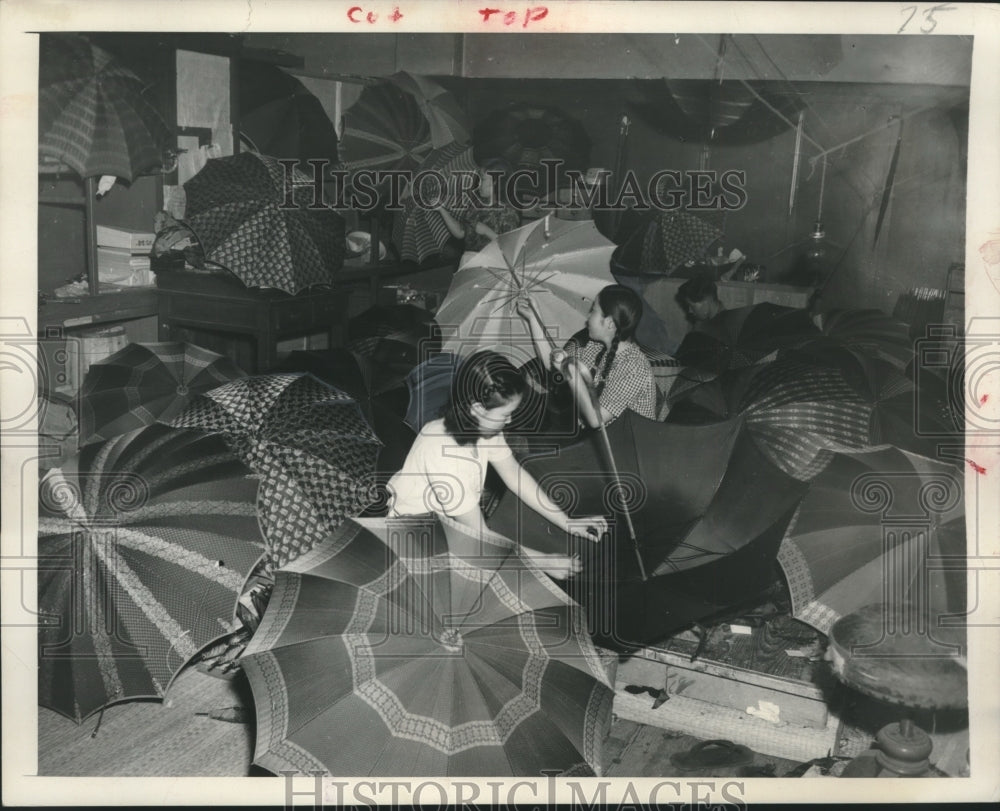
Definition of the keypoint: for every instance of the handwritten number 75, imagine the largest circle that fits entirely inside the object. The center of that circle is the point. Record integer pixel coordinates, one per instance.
(928, 17)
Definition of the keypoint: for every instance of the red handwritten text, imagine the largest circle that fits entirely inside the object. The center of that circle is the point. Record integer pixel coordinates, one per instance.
(357, 14)
(531, 15)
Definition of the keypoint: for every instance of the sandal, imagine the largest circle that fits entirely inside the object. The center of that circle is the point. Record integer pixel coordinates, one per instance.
(712, 755)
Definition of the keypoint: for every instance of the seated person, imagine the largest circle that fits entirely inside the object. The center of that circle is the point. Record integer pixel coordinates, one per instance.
(609, 373)
(698, 297)
(445, 470)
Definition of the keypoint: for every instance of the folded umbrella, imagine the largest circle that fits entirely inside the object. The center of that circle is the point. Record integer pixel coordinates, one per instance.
(881, 526)
(93, 115)
(308, 441)
(145, 542)
(408, 646)
(143, 383)
(252, 217)
(562, 264)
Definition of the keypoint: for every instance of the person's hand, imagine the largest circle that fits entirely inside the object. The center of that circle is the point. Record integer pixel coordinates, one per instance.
(590, 527)
(558, 567)
(524, 306)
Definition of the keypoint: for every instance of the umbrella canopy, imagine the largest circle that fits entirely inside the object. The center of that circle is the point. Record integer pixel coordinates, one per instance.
(145, 543)
(524, 135)
(238, 207)
(882, 526)
(280, 117)
(427, 651)
(430, 386)
(419, 232)
(563, 265)
(310, 445)
(92, 114)
(870, 333)
(143, 383)
(393, 336)
(384, 129)
(725, 496)
(380, 392)
(447, 119)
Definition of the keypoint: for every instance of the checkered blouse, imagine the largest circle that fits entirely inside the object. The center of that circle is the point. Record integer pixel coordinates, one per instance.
(630, 380)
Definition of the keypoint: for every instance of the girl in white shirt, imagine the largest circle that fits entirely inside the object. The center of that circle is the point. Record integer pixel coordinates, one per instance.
(446, 468)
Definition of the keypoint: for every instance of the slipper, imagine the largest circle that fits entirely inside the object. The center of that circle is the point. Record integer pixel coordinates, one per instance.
(712, 754)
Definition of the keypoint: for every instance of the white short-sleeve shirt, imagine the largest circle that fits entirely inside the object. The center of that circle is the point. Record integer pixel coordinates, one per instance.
(441, 476)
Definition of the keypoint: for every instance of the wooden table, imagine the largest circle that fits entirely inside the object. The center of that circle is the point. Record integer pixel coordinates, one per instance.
(214, 305)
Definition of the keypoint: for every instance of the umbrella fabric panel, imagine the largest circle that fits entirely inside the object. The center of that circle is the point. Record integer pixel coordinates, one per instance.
(447, 119)
(92, 113)
(384, 129)
(156, 548)
(143, 383)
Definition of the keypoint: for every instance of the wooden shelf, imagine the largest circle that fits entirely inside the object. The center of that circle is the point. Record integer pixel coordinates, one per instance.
(99, 309)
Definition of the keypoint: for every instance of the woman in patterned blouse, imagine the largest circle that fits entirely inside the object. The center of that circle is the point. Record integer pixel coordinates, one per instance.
(610, 364)
(478, 225)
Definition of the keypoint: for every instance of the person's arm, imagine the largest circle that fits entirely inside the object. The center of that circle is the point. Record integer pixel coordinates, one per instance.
(454, 226)
(527, 489)
(593, 413)
(526, 309)
(484, 230)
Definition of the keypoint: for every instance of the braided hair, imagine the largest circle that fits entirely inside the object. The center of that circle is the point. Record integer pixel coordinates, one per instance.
(624, 307)
(487, 378)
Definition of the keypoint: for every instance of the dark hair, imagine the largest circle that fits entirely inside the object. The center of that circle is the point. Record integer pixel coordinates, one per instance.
(487, 378)
(695, 289)
(624, 306)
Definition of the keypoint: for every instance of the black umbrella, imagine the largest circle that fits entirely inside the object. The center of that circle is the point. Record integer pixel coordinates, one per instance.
(281, 118)
(723, 496)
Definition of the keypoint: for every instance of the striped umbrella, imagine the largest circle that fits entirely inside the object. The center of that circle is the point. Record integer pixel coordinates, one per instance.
(881, 526)
(869, 333)
(143, 383)
(409, 646)
(92, 114)
(308, 441)
(799, 414)
(145, 542)
(418, 231)
(447, 119)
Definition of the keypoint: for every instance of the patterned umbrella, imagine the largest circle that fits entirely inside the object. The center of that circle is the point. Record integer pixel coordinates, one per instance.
(310, 445)
(239, 209)
(447, 119)
(562, 264)
(145, 542)
(420, 232)
(407, 646)
(870, 332)
(723, 498)
(800, 414)
(882, 526)
(280, 117)
(143, 383)
(395, 337)
(92, 114)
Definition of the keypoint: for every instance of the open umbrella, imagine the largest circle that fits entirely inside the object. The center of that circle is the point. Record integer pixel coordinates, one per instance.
(92, 114)
(145, 542)
(447, 119)
(524, 135)
(724, 496)
(252, 217)
(381, 393)
(310, 445)
(882, 526)
(417, 231)
(143, 383)
(280, 117)
(408, 646)
(393, 336)
(430, 386)
(384, 129)
(562, 264)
